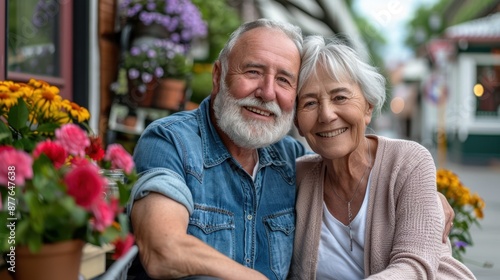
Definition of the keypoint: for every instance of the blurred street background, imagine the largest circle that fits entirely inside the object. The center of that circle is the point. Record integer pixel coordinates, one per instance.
(441, 59)
(483, 258)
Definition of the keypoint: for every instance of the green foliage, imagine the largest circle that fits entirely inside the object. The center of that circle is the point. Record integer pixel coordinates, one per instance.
(420, 29)
(222, 20)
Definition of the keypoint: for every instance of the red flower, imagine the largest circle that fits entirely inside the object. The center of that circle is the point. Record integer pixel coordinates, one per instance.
(6, 148)
(55, 152)
(122, 246)
(119, 158)
(85, 185)
(95, 150)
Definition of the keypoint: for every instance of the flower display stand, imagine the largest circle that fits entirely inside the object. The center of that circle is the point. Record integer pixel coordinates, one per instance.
(93, 262)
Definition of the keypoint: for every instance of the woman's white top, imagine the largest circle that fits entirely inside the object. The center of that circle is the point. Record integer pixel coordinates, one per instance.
(335, 259)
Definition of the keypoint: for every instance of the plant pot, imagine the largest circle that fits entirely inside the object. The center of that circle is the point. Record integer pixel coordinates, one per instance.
(141, 98)
(170, 94)
(58, 261)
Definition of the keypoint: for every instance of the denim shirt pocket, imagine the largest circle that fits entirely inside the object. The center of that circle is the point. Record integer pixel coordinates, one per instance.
(214, 226)
(280, 229)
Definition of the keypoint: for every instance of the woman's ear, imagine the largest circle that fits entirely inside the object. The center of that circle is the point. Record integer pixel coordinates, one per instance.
(368, 114)
(369, 110)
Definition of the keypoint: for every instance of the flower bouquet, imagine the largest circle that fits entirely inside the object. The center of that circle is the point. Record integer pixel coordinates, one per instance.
(52, 182)
(468, 210)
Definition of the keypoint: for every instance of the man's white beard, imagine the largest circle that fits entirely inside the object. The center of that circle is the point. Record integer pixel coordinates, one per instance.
(251, 134)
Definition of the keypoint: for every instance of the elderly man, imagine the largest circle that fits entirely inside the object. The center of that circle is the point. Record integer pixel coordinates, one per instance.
(217, 191)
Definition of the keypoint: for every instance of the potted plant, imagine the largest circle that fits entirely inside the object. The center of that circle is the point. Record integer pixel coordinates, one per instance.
(54, 191)
(468, 208)
(147, 65)
(160, 42)
(178, 20)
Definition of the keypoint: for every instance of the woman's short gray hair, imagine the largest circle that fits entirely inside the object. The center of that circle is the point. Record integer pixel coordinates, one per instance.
(343, 63)
(292, 31)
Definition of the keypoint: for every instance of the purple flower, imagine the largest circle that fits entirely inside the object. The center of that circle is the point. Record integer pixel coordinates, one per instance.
(460, 244)
(151, 6)
(134, 51)
(133, 73)
(151, 54)
(146, 77)
(159, 72)
(177, 16)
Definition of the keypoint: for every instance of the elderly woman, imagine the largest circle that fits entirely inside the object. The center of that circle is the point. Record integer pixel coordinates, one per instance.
(367, 204)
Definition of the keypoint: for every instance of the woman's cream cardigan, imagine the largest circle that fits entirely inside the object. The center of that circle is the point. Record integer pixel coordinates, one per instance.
(405, 220)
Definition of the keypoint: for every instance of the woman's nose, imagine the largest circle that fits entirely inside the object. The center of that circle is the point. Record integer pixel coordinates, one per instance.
(327, 113)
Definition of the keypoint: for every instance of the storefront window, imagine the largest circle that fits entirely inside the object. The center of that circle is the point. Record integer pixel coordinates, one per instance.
(33, 37)
(487, 90)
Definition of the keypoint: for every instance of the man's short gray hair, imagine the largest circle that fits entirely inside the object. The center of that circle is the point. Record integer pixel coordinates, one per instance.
(291, 31)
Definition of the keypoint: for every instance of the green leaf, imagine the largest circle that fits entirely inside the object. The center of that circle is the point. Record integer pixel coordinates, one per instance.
(47, 127)
(5, 133)
(18, 115)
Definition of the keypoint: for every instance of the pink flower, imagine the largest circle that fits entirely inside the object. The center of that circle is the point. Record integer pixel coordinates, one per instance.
(85, 185)
(15, 167)
(104, 213)
(55, 152)
(122, 246)
(119, 158)
(73, 139)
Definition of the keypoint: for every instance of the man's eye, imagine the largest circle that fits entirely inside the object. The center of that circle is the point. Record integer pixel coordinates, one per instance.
(253, 72)
(283, 80)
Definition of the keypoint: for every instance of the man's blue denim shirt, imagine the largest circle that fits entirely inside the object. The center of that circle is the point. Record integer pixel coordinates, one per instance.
(250, 221)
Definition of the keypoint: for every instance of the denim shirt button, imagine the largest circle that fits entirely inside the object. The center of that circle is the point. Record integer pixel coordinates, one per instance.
(249, 217)
(247, 260)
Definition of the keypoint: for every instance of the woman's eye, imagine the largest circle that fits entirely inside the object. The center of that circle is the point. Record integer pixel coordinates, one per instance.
(309, 104)
(340, 98)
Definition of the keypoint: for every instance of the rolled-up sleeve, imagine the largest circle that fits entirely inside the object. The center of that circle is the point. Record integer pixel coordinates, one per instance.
(165, 182)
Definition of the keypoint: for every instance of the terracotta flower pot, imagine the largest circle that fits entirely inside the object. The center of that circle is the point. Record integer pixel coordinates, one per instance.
(170, 94)
(58, 261)
(138, 98)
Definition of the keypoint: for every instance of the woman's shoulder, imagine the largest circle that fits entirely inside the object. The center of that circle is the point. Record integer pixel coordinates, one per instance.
(305, 164)
(307, 161)
(397, 146)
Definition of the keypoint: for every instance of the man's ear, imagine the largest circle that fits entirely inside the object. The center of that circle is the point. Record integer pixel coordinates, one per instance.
(216, 74)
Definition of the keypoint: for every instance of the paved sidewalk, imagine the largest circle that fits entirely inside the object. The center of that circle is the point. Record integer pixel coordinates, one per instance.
(485, 180)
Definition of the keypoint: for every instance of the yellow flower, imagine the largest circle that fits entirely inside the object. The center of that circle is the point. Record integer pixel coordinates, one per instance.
(8, 95)
(76, 111)
(47, 100)
(468, 208)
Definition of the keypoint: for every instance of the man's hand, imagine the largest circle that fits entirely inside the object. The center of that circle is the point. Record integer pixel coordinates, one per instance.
(449, 215)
